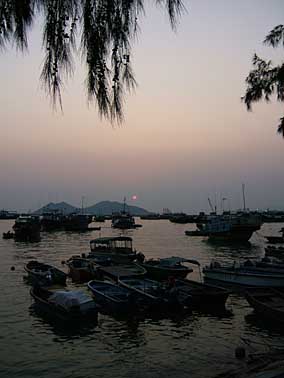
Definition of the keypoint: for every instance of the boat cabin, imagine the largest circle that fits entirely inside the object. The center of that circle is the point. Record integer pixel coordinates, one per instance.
(119, 244)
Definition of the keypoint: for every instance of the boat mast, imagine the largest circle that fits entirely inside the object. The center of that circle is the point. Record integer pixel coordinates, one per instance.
(124, 203)
(82, 201)
(244, 198)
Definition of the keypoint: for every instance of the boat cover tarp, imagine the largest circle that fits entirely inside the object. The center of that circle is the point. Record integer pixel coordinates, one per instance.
(69, 299)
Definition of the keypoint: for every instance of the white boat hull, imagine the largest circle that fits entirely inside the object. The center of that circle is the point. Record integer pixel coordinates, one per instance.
(245, 278)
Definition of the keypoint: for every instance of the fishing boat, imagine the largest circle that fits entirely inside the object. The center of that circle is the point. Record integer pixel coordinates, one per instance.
(5, 214)
(76, 222)
(66, 305)
(237, 227)
(52, 221)
(247, 274)
(123, 219)
(267, 302)
(162, 269)
(201, 295)
(115, 272)
(82, 269)
(151, 294)
(118, 248)
(27, 228)
(112, 298)
(44, 274)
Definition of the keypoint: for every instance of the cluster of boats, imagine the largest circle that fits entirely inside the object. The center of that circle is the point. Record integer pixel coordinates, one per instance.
(29, 227)
(121, 281)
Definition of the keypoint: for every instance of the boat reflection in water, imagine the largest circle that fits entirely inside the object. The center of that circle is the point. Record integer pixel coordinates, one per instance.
(64, 329)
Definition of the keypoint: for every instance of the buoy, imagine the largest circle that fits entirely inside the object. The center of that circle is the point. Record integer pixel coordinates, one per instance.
(12, 268)
(240, 353)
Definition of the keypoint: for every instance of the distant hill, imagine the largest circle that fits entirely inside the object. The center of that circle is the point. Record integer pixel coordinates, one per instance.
(63, 207)
(101, 208)
(109, 207)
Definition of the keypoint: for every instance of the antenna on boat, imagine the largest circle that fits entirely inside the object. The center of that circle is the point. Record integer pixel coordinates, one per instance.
(82, 202)
(244, 198)
(124, 203)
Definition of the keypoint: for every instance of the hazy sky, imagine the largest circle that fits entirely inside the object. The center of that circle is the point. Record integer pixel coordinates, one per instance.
(186, 137)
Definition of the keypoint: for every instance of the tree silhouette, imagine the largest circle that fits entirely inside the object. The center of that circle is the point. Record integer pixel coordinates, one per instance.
(265, 79)
(107, 30)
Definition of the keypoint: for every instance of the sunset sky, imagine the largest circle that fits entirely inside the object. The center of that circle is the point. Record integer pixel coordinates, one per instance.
(186, 136)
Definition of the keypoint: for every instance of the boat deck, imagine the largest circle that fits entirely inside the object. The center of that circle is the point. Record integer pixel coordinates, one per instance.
(125, 270)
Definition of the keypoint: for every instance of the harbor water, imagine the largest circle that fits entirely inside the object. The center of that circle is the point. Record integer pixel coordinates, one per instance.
(183, 345)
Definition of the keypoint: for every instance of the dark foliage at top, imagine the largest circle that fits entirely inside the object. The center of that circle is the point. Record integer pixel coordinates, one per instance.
(107, 29)
(265, 79)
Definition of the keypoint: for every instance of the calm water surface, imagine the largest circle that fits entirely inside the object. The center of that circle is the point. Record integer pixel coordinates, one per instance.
(196, 345)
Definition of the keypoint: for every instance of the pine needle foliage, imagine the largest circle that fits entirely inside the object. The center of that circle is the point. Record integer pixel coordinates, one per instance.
(105, 31)
(266, 80)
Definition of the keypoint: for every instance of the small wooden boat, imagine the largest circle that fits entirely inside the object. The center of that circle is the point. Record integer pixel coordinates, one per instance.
(267, 302)
(8, 235)
(44, 274)
(201, 295)
(162, 269)
(112, 298)
(81, 269)
(115, 272)
(151, 294)
(66, 305)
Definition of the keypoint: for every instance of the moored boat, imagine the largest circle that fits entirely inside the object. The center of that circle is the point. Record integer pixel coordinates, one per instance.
(76, 222)
(52, 221)
(112, 298)
(201, 295)
(119, 249)
(237, 227)
(123, 219)
(44, 274)
(66, 305)
(247, 274)
(81, 269)
(152, 295)
(267, 302)
(27, 228)
(162, 269)
(115, 272)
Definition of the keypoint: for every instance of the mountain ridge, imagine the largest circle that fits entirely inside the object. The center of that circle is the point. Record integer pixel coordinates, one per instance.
(100, 208)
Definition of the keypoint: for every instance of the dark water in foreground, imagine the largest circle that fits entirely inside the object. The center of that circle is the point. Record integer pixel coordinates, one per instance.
(196, 345)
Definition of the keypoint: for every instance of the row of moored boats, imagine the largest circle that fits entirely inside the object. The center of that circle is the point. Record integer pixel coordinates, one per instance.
(122, 281)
